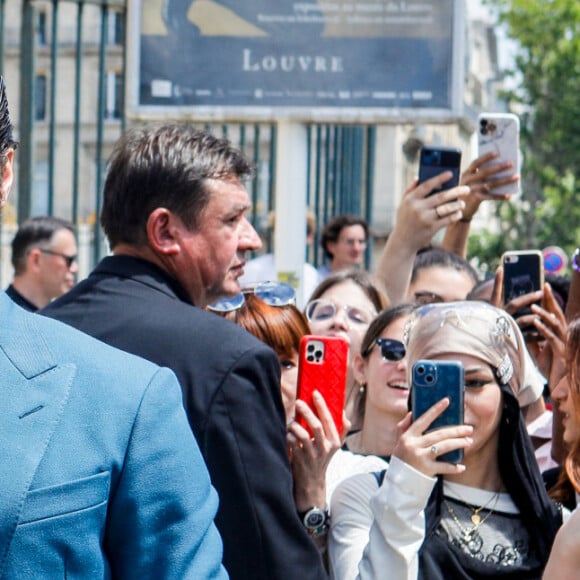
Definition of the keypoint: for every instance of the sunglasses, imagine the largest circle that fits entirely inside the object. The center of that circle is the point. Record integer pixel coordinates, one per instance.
(391, 350)
(322, 310)
(69, 260)
(272, 293)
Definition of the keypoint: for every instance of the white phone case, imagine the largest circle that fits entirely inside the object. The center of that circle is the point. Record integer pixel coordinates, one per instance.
(500, 132)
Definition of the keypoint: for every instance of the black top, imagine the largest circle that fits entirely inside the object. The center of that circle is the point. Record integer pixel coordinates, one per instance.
(16, 297)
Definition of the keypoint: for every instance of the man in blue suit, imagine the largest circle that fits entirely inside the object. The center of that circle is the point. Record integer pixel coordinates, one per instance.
(101, 476)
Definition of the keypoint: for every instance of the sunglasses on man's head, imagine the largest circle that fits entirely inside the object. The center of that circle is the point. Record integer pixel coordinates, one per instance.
(391, 350)
(272, 293)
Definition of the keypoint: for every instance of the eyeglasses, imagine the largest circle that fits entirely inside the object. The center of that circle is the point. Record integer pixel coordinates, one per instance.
(391, 349)
(425, 297)
(68, 259)
(272, 293)
(321, 310)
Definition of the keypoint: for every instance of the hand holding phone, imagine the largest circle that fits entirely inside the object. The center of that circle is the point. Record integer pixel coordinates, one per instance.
(436, 160)
(499, 133)
(433, 380)
(322, 367)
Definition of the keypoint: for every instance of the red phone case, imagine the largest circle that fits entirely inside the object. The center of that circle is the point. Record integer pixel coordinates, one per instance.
(323, 367)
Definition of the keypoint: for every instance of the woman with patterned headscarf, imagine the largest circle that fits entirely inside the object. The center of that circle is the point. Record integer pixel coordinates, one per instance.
(487, 517)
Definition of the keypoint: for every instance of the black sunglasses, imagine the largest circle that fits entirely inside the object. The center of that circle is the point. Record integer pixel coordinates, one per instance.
(68, 259)
(391, 350)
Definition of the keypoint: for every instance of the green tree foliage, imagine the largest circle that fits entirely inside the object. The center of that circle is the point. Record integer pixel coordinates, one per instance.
(547, 97)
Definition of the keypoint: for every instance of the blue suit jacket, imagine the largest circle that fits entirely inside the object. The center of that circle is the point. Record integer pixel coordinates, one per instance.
(100, 475)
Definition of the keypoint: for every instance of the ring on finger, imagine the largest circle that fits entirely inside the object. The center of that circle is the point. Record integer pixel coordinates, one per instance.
(434, 450)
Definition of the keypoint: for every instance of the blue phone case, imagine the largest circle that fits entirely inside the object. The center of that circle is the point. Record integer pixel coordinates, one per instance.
(432, 381)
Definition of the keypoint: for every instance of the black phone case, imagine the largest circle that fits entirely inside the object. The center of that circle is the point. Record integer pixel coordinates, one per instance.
(435, 160)
(522, 273)
(432, 380)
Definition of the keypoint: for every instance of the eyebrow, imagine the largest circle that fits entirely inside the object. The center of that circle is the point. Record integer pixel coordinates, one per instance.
(476, 370)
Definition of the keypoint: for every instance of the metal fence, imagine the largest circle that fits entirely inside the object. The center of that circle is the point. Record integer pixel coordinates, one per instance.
(65, 64)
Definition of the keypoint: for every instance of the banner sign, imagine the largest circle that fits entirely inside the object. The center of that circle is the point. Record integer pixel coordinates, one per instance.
(300, 59)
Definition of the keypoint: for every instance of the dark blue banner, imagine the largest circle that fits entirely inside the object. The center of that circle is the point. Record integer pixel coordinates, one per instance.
(377, 54)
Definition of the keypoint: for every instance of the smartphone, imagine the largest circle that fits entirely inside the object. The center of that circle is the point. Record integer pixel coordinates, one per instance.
(500, 133)
(435, 160)
(322, 367)
(432, 380)
(523, 272)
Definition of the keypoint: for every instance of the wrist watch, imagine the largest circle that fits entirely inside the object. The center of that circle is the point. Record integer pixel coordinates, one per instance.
(575, 262)
(315, 520)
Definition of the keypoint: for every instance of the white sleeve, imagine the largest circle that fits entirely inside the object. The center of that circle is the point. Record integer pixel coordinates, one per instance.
(350, 521)
(374, 530)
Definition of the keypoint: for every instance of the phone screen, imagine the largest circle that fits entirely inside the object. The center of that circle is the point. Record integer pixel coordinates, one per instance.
(523, 272)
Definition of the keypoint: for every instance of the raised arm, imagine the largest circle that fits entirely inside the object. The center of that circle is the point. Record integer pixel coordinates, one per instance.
(419, 217)
(481, 182)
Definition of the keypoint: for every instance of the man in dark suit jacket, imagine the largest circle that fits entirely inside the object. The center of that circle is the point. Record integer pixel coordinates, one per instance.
(174, 213)
(101, 476)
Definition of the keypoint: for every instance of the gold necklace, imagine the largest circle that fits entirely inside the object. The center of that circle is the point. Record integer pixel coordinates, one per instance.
(475, 518)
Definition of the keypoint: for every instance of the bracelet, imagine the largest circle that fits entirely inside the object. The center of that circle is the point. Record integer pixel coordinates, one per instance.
(465, 220)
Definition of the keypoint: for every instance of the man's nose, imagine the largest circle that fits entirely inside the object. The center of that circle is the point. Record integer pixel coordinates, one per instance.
(249, 238)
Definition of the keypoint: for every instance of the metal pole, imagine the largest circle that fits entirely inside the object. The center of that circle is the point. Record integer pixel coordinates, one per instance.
(77, 116)
(27, 90)
(52, 122)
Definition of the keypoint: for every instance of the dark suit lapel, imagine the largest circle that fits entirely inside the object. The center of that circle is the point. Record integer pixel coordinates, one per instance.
(34, 391)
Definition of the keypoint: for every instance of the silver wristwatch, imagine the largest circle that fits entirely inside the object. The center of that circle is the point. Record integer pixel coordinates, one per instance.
(315, 520)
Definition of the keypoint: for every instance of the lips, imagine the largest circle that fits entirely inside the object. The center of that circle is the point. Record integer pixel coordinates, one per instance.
(398, 386)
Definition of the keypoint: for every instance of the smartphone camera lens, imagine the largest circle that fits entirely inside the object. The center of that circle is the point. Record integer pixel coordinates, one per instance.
(421, 370)
(318, 354)
(429, 379)
(311, 348)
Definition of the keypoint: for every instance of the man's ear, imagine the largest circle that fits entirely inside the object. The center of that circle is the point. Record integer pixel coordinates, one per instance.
(7, 177)
(163, 228)
(33, 258)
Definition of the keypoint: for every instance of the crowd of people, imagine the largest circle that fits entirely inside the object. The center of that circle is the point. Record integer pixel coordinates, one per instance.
(152, 425)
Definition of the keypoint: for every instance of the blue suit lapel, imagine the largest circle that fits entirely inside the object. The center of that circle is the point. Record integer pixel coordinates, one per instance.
(34, 391)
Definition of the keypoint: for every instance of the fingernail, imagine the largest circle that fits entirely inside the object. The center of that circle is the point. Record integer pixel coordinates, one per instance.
(469, 440)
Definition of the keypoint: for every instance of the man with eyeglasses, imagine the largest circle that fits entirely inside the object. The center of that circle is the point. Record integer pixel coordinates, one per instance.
(174, 212)
(44, 254)
(101, 476)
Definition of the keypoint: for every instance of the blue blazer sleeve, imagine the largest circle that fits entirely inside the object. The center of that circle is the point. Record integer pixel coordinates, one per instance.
(160, 522)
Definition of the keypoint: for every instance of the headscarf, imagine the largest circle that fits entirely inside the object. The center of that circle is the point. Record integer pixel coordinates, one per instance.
(479, 330)
(491, 335)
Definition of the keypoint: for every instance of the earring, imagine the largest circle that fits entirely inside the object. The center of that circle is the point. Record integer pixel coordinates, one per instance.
(362, 388)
